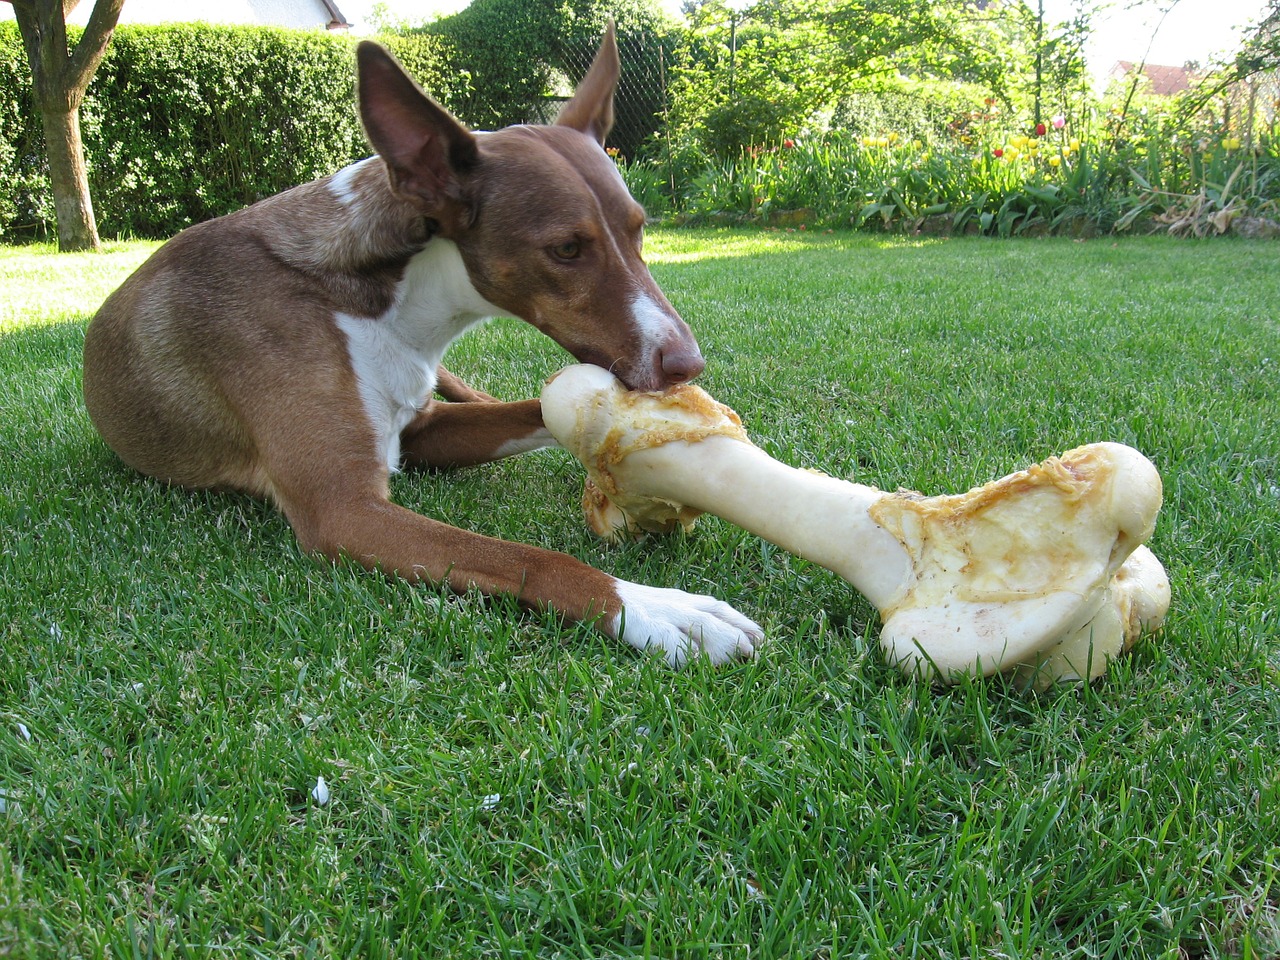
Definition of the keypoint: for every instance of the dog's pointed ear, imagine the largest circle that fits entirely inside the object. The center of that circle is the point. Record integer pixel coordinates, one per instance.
(591, 109)
(427, 151)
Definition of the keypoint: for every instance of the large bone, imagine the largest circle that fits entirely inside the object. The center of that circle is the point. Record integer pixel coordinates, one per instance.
(1041, 573)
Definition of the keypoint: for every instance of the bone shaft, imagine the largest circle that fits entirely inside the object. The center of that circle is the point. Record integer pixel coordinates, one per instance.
(819, 518)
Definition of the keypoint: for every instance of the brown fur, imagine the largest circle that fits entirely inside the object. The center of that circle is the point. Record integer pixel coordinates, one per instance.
(219, 363)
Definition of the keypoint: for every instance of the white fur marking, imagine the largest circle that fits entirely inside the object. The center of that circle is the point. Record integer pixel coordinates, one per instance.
(535, 441)
(654, 324)
(395, 356)
(342, 184)
(394, 381)
(683, 624)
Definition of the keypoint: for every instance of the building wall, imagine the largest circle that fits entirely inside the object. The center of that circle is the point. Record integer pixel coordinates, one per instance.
(298, 14)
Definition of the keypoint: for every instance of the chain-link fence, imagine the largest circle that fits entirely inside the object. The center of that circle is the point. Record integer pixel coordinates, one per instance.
(641, 100)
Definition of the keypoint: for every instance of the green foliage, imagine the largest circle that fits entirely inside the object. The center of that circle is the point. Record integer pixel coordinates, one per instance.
(647, 40)
(183, 123)
(217, 119)
(1055, 78)
(520, 58)
(739, 84)
(930, 111)
(26, 203)
(505, 50)
(889, 114)
(649, 185)
(781, 67)
(1128, 175)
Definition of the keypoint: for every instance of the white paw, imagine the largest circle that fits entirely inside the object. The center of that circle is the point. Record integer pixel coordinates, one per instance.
(683, 624)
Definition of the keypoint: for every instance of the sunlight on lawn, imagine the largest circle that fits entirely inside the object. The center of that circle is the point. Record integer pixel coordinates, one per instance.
(672, 247)
(37, 288)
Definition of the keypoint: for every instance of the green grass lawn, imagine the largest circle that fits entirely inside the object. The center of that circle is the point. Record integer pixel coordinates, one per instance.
(176, 674)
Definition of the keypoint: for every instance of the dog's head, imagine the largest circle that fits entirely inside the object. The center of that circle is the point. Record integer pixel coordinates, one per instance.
(545, 225)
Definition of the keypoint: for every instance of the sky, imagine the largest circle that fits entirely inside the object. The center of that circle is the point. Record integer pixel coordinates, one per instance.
(1193, 30)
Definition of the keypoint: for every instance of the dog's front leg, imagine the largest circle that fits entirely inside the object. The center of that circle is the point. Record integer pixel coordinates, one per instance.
(335, 495)
(456, 390)
(446, 435)
(358, 522)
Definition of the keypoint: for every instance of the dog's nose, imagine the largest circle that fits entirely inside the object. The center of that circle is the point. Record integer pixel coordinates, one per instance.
(681, 365)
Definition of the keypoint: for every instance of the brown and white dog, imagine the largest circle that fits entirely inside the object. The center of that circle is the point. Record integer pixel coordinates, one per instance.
(290, 350)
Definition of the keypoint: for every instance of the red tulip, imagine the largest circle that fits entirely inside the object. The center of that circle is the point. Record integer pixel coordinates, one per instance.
(997, 152)
(1039, 129)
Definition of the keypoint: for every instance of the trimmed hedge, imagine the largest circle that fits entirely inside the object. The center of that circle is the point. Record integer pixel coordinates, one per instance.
(187, 122)
(26, 204)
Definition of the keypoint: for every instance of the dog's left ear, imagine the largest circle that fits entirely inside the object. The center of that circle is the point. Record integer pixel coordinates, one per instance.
(428, 152)
(591, 109)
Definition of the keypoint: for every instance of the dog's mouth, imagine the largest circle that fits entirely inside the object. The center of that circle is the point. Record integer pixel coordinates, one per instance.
(618, 368)
(655, 378)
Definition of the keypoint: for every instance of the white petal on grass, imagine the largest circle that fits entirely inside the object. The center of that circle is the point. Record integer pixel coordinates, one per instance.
(320, 792)
(490, 801)
(23, 731)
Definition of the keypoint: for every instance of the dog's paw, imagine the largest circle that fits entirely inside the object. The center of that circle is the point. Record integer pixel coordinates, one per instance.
(684, 625)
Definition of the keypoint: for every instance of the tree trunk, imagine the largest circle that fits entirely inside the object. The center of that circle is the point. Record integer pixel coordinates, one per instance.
(59, 79)
(69, 179)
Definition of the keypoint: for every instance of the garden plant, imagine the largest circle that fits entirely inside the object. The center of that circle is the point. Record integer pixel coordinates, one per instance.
(814, 114)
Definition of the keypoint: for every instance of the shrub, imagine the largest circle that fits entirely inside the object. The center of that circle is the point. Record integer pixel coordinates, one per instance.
(218, 119)
(930, 112)
(214, 118)
(188, 122)
(1003, 185)
(25, 203)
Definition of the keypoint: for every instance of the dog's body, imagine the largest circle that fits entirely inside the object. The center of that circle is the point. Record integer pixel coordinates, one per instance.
(290, 350)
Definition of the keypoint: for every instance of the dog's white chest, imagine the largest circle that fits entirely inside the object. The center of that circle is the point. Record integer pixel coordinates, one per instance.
(394, 379)
(395, 356)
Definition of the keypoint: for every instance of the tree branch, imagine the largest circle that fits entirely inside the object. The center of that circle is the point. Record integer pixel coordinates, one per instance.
(93, 43)
(44, 37)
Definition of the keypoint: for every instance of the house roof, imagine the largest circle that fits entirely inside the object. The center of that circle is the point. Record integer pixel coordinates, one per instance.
(1165, 80)
(297, 14)
(336, 20)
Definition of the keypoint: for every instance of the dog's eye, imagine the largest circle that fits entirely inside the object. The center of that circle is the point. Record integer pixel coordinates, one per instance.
(567, 251)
